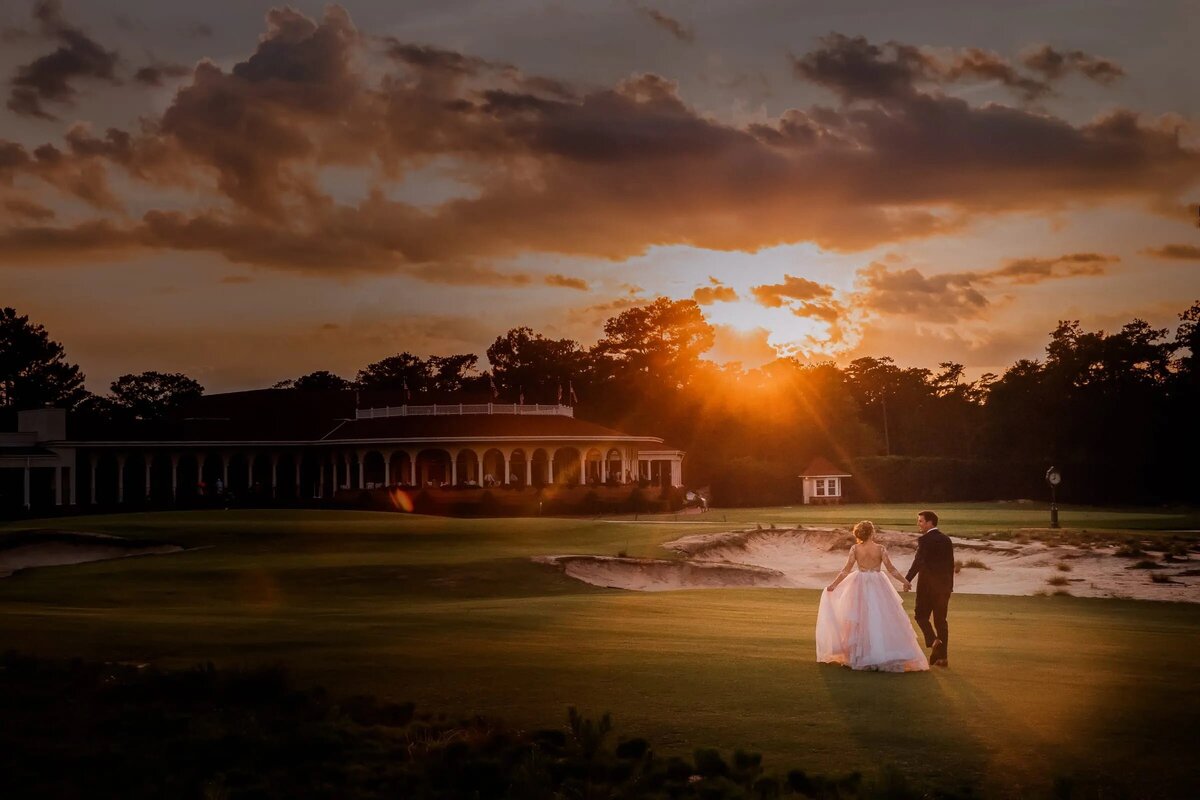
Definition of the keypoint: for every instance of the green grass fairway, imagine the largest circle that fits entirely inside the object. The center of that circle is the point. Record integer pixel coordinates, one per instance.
(453, 615)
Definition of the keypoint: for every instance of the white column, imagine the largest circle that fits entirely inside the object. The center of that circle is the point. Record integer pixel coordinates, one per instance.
(92, 461)
(321, 478)
(387, 468)
(346, 466)
(27, 502)
(274, 472)
(454, 468)
(121, 477)
(174, 477)
(362, 473)
(71, 482)
(528, 468)
(148, 459)
(298, 458)
(550, 468)
(507, 455)
(583, 467)
(225, 470)
(676, 472)
(58, 473)
(249, 472)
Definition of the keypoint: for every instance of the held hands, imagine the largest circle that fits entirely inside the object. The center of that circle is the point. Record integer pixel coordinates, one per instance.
(907, 586)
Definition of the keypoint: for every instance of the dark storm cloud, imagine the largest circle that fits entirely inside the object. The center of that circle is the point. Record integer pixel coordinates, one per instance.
(952, 296)
(49, 77)
(668, 23)
(857, 69)
(156, 72)
(1055, 64)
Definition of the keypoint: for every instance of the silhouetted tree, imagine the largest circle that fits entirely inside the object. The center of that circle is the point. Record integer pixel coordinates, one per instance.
(34, 371)
(524, 361)
(153, 395)
(321, 379)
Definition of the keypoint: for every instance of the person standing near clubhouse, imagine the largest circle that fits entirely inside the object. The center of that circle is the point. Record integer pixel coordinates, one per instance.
(933, 567)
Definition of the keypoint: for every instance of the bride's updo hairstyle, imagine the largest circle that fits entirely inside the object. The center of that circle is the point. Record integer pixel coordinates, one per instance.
(864, 531)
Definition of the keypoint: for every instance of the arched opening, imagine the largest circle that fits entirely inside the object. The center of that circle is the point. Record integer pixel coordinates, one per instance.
(160, 477)
(401, 469)
(466, 466)
(187, 487)
(612, 468)
(260, 483)
(566, 466)
(539, 468)
(494, 472)
(433, 468)
(516, 468)
(239, 472)
(106, 478)
(133, 478)
(373, 477)
(285, 475)
(211, 477)
(594, 466)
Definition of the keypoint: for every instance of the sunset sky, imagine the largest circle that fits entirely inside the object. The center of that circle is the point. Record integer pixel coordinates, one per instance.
(247, 193)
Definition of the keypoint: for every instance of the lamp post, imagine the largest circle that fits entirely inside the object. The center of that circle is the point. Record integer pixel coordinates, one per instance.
(1054, 478)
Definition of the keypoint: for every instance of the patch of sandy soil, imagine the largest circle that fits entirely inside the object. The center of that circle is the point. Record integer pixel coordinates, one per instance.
(27, 549)
(658, 575)
(809, 558)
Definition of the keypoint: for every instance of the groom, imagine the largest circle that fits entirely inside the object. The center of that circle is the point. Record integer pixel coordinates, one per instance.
(934, 564)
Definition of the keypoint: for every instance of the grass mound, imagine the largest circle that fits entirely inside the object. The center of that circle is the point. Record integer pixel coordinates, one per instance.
(110, 730)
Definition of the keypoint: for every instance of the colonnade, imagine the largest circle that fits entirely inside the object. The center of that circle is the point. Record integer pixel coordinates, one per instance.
(318, 471)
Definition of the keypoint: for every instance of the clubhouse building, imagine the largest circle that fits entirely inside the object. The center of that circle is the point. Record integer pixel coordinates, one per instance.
(287, 445)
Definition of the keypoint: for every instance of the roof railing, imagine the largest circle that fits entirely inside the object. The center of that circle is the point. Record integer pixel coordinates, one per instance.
(455, 409)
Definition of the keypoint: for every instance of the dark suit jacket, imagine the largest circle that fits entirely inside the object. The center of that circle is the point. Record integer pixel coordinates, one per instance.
(934, 563)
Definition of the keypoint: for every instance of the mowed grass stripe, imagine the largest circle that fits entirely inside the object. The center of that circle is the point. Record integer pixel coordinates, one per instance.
(453, 615)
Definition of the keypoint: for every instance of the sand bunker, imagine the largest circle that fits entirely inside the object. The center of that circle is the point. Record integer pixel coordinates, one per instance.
(809, 558)
(37, 548)
(657, 575)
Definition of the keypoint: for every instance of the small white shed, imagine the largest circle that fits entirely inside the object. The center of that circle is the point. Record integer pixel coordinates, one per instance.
(823, 482)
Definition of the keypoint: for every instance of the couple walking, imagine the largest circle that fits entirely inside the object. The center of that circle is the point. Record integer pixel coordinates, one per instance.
(861, 621)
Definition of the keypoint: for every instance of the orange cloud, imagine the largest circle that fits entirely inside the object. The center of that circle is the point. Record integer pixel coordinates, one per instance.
(606, 172)
(715, 292)
(567, 282)
(1186, 252)
(775, 295)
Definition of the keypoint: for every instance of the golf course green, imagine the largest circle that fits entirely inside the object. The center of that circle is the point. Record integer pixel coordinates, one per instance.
(453, 614)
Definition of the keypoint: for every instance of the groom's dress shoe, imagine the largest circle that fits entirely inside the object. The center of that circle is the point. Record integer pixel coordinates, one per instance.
(940, 662)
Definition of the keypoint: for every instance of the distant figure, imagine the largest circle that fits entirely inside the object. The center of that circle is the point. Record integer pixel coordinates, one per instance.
(220, 487)
(933, 567)
(861, 622)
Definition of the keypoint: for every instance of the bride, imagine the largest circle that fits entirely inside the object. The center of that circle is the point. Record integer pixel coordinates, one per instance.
(861, 621)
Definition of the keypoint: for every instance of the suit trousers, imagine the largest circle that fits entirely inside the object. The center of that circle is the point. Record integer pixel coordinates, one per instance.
(934, 603)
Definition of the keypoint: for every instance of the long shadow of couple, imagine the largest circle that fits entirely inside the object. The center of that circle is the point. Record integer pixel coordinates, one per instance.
(938, 729)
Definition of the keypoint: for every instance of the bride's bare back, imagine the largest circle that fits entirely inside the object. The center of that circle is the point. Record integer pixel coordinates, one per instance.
(868, 556)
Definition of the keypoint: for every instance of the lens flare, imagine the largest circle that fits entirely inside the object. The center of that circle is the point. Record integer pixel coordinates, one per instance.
(401, 500)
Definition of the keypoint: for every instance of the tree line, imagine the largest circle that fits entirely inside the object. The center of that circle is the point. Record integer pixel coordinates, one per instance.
(1115, 409)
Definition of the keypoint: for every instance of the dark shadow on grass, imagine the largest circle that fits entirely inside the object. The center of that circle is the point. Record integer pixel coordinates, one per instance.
(916, 721)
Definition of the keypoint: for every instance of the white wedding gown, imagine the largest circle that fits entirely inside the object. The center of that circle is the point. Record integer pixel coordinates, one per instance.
(862, 624)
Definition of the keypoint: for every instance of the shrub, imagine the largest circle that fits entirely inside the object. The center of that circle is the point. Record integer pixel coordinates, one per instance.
(1058, 580)
(1063, 567)
(975, 563)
